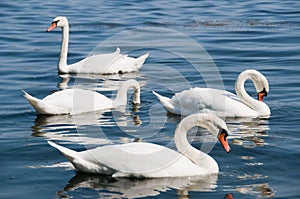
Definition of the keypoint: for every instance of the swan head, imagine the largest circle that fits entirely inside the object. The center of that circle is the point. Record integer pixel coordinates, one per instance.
(216, 124)
(222, 137)
(59, 21)
(262, 94)
(261, 83)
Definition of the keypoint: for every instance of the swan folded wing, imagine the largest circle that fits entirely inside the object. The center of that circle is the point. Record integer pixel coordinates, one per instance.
(124, 63)
(191, 101)
(225, 104)
(235, 107)
(138, 62)
(82, 160)
(208, 100)
(143, 160)
(108, 64)
(87, 101)
(129, 64)
(167, 103)
(78, 100)
(44, 107)
(232, 96)
(61, 99)
(100, 63)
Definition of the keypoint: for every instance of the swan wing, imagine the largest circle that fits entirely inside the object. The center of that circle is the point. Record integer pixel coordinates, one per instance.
(128, 64)
(78, 100)
(98, 64)
(43, 107)
(142, 160)
(109, 63)
(235, 107)
(166, 102)
(208, 100)
(191, 101)
(231, 96)
(80, 160)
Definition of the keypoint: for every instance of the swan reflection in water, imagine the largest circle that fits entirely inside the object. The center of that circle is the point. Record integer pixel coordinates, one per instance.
(85, 128)
(263, 190)
(109, 187)
(98, 82)
(248, 132)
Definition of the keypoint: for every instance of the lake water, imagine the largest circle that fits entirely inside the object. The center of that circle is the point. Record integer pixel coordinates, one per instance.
(237, 35)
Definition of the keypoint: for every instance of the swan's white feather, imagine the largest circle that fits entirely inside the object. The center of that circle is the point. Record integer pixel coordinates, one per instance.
(207, 100)
(43, 107)
(109, 63)
(74, 101)
(70, 101)
(219, 102)
(147, 160)
(133, 160)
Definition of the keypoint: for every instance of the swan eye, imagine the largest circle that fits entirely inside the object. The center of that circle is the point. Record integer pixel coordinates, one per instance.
(223, 134)
(52, 26)
(222, 138)
(55, 22)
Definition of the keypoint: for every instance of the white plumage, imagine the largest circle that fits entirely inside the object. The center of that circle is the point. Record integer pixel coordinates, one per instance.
(149, 160)
(109, 63)
(74, 101)
(220, 102)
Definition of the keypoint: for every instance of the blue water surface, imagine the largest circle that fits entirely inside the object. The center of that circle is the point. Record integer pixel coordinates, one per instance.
(237, 35)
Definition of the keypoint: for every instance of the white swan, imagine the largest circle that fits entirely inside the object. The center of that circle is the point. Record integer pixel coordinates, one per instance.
(98, 64)
(222, 103)
(74, 101)
(147, 160)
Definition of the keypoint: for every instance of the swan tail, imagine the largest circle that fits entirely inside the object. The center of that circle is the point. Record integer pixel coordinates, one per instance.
(160, 97)
(36, 103)
(71, 155)
(118, 50)
(41, 107)
(80, 163)
(165, 101)
(141, 60)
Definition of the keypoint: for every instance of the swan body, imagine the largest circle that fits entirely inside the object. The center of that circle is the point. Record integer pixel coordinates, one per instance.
(74, 101)
(149, 160)
(219, 102)
(109, 63)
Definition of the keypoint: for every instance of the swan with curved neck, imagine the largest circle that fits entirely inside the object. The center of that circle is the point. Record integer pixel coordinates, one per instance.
(222, 103)
(147, 160)
(74, 101)
(99, 64)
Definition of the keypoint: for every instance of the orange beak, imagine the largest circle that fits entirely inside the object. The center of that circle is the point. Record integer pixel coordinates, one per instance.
(52, 26)
(222, 139)
(229, 196)
(262, 94)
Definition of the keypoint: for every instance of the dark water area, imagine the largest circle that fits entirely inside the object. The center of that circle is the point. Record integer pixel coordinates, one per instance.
(236, 35)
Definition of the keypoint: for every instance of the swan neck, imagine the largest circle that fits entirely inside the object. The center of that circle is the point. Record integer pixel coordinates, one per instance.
(242, 93)
(121, 98)
(62, 64)
(200, 158)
